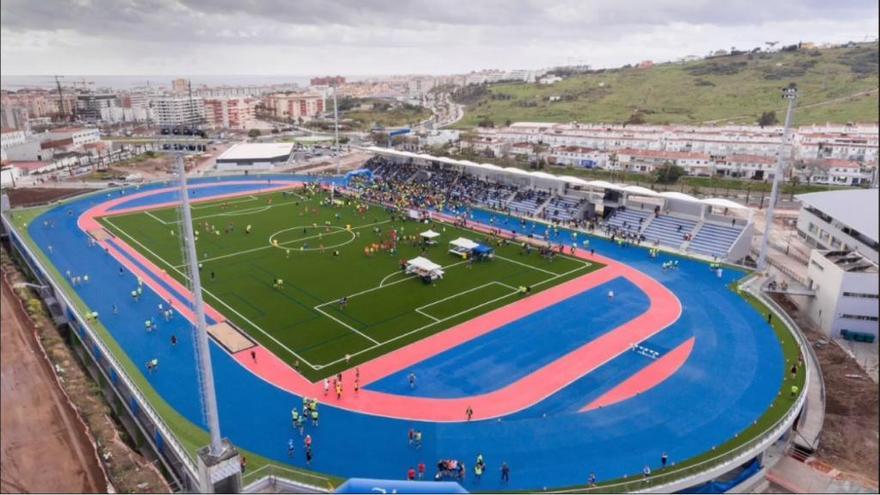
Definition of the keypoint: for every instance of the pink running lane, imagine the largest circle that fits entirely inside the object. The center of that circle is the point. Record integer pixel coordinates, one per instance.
(664, 310)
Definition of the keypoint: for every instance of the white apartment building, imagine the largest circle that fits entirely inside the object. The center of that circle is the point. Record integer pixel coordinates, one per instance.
(173, 111)
(78, 136)
(838, 172)
(9, 137)
(843, 220)
(295, 105)
(857, 143)
(846, 293)
(230, 113)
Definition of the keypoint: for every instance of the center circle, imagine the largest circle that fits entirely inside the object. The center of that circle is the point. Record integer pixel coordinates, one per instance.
(312, 237)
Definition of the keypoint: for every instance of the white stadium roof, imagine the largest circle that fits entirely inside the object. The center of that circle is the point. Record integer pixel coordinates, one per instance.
(857, 209)
(257, 151)
(576, 181)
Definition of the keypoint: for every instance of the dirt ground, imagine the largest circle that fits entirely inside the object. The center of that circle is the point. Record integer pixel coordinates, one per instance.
(27, 196)
(45, 447)
(850, 440)
(34, 441)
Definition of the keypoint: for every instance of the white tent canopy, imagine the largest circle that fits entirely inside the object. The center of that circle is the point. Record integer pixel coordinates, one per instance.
(424, 264)
(423, 267)
(430, 234)
(464, 243)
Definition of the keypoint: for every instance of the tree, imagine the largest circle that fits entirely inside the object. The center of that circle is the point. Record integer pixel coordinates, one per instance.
(507, 123)
(668, 173)
(254, 133)
(486, 122)
(768, 118)
(637, 118)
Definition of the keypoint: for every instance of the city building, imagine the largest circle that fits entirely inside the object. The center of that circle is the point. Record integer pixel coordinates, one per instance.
(230, 113)
(90, 105)
(78, 136)
(843, 220)
(845, 285)
(9, 137)
(244, 157)
(327, 81)
(13, 117)
(180, 86)
(176, 111)
(295, 106)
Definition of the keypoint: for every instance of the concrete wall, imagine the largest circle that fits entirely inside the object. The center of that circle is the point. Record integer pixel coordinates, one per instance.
(829, 305)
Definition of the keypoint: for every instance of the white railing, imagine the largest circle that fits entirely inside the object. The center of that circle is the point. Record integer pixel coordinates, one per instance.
(272, 475)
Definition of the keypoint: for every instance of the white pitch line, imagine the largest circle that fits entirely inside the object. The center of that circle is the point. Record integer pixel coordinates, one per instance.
(206, 291)
(213, 204)
(154, 217)
(260, 248)
(324, 365)
(346, 325)
(526, 265)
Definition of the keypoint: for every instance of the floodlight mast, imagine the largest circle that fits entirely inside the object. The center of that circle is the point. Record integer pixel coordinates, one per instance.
(209, 397)
(336, 128)
(791, 94)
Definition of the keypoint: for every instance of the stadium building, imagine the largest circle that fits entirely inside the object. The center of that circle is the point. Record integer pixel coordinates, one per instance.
(255, 156)
(595, 317)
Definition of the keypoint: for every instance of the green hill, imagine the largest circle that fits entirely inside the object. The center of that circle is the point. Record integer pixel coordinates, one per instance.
(836, 85)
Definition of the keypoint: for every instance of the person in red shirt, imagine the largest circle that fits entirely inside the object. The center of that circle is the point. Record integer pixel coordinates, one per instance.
(411, 474)
(421, 470)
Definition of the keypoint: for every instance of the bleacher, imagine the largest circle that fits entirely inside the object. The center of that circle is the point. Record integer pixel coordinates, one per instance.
(668, 230)
(714, 240)
(627, 220)
(527, 202)
(562, 208)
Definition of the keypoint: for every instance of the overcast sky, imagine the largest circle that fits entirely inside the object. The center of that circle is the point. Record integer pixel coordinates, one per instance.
(351, 37)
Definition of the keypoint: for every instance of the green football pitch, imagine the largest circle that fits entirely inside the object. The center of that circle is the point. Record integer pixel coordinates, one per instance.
(318, 250)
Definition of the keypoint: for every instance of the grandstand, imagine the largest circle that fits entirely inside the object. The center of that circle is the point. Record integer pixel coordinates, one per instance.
(668, 230)
(714, 228)
(714, 240)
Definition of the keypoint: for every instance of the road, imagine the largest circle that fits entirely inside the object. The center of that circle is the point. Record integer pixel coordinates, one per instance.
(44, 446)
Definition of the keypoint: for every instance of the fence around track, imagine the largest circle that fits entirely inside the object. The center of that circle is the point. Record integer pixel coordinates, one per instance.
(286, 479)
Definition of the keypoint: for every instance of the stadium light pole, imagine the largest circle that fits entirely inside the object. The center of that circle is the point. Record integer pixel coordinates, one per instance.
(209, 396)
(791, 94)
(336, 128)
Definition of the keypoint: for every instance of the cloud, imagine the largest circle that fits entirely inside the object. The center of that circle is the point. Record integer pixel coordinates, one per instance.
(382, 36)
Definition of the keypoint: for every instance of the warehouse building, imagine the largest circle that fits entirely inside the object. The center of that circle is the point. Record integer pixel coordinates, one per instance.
(245, 157)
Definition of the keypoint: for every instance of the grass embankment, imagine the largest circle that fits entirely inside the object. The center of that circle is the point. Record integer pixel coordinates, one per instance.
(837, 85)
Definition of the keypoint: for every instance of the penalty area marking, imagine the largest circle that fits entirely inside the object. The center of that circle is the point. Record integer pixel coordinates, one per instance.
(211, 294)
(419, 329)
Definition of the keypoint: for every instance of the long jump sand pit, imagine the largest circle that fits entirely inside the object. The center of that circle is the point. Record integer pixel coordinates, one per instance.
(230, 337)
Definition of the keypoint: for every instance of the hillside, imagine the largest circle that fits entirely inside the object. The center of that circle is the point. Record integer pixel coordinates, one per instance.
(836, 85)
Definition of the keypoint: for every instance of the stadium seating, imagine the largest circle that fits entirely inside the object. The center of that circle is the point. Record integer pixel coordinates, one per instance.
(627, 220)
(714, 240)
(527, 202)
(562, 208)
(668, 230)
